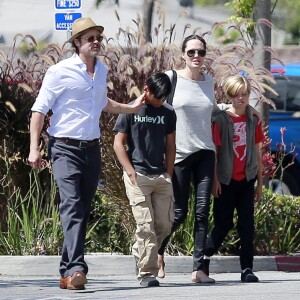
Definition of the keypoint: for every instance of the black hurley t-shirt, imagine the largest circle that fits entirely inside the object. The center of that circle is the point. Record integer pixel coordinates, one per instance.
(146, 136)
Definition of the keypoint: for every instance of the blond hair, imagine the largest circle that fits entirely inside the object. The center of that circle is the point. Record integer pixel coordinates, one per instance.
(233, 84)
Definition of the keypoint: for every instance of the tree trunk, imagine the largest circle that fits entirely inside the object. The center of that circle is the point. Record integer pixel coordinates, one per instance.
(262, 39)
(147, 17)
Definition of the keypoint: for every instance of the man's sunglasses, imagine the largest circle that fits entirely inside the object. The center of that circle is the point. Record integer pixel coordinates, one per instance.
(192, 52)
(93, 38)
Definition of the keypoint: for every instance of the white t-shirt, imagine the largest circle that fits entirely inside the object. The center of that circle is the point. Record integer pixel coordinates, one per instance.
(193, 103)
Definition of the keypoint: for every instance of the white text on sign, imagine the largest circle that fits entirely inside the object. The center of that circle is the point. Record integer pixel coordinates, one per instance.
(67, 4)
(65, 21)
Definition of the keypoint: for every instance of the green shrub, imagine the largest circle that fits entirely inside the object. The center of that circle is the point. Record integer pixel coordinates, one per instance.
(277, 228)
(20, 80)
(277, 224)
(32, 224)
(111, 227)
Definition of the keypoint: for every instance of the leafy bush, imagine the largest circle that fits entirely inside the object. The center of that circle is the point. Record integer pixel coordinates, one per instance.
(277, 224)
(111, 227)
(32, 224)
(34, 228)
(277, 228)
(20, 80)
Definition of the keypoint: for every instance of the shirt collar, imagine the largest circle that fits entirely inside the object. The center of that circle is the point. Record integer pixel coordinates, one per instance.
(78, 61)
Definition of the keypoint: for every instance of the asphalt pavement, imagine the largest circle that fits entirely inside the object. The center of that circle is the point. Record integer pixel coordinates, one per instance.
(113, 277)
(273, 285)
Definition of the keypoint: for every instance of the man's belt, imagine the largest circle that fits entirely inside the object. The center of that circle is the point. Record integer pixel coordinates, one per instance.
(77, 143)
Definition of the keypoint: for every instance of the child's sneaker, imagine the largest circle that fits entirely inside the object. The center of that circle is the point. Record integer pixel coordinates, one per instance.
(248, 276)
(149, 281)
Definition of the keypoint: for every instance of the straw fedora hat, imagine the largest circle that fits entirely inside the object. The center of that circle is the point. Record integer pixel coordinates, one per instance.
(83, 24)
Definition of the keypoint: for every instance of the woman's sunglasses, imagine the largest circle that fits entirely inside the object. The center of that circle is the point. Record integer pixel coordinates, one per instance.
(192, 52)
(93, 38)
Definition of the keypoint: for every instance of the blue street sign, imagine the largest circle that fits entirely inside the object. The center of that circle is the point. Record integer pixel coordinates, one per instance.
(67, 4)
(64, 21)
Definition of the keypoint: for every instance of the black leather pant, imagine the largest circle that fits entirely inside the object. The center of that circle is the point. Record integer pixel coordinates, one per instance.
(197, 168)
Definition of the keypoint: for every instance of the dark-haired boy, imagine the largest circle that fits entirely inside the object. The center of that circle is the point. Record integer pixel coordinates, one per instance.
(145, 147)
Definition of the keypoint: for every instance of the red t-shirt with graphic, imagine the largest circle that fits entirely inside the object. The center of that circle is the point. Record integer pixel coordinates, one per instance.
(239, 143)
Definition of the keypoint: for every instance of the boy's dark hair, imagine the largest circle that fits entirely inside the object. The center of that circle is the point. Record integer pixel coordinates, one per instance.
(159, 84)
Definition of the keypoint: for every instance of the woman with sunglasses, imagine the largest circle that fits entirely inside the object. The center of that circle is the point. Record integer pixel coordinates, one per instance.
(193, 102)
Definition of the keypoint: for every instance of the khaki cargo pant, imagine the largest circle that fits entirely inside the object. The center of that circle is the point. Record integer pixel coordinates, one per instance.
(152, 204)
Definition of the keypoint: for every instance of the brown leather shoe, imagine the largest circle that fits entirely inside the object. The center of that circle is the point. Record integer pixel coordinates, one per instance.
(74, 282)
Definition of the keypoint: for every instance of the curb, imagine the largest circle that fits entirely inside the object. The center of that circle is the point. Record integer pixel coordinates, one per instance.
(288, 263)
(114, 264)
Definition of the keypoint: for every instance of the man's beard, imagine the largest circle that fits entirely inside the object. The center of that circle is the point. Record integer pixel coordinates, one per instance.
(94, 53)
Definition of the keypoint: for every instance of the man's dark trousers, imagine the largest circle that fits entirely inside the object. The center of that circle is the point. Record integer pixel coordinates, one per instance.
(76, 171)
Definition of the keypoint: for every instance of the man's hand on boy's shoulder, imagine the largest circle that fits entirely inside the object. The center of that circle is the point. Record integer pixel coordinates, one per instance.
(139, 102)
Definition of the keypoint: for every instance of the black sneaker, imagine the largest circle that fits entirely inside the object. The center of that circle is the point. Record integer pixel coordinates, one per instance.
(149, 281)
(248, 276)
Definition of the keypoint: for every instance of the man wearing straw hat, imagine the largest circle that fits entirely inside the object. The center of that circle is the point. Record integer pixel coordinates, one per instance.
(75, 90)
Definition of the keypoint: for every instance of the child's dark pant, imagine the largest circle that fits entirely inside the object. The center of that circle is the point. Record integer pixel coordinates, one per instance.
(237, 195)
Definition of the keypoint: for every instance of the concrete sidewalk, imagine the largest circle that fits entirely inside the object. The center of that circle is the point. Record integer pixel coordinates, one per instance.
(101, 264)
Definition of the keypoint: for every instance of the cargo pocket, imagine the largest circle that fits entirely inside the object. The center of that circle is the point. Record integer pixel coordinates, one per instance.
(140, 209)
(138, 201)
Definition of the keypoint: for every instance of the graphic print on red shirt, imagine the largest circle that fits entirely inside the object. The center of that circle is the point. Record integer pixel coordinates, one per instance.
(239, 147)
